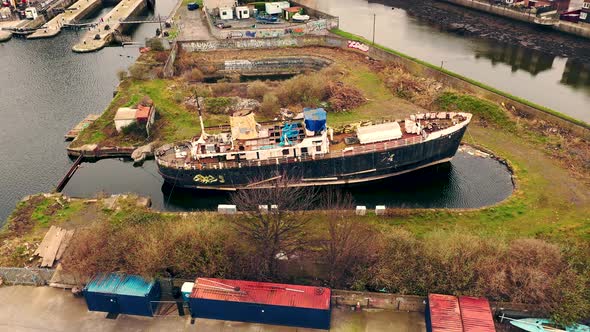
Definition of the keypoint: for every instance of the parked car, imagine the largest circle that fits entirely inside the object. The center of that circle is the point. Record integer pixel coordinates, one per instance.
(192, 6)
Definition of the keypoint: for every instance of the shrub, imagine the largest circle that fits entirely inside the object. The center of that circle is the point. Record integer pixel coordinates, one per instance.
(269, 105)
(344, 97)
(257, 90)
(221, 89)
(139, 71)
(161, 57)
(135, 129)
(155, 44)
(122, 74)
(307, 89)
(217, 105)
(194, 75)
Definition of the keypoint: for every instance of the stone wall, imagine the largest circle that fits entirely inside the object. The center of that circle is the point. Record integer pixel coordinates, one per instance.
(319, 26)
(580, 30)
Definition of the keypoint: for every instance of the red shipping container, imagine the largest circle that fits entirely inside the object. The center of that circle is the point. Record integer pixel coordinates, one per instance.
(476, 314)
(444, 314)
(262, 293)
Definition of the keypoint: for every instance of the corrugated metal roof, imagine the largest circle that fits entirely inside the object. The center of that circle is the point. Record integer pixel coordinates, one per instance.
(476, 314)
(143, 112)
(262, 293)
(116, 283)
(445, 315)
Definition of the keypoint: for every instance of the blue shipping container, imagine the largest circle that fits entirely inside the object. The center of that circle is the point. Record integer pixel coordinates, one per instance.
(123, 294)
(260, 313)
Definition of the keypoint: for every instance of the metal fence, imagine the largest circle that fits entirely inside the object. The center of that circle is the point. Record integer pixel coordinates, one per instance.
(26, 276)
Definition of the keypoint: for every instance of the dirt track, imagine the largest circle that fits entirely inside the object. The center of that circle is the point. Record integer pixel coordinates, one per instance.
(473, 23)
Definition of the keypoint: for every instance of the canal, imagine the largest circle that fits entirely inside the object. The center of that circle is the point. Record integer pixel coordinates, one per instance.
(46, 89)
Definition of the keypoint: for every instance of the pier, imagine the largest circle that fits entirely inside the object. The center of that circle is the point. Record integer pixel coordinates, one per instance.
(75, 12)
(73, 133)
(102, 34)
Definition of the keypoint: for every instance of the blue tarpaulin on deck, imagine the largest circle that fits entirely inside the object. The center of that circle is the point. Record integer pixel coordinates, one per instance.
(315, 119)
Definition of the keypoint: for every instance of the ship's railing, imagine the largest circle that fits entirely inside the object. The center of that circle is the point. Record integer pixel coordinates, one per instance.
(347, 152)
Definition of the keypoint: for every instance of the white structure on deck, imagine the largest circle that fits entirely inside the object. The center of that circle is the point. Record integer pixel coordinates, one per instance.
(379, 133)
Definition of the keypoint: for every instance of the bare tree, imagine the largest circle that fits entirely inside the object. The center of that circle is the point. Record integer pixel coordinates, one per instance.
(274, 220)
(348, 247)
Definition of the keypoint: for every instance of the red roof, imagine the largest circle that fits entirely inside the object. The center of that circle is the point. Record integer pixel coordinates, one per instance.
(476, 314)
(143, 112)
(292, 9)
(445, 315)
(262, 293)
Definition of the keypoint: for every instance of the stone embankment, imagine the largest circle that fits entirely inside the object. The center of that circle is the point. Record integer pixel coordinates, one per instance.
(102, 34)
(75, 12)
(504, 30)
(580, 30)
(5, 36)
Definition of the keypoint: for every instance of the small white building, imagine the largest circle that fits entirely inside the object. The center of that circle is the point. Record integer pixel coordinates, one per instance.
(124, 117)
(211, 4)
(242, 12)
(226, 13)
(274, 8)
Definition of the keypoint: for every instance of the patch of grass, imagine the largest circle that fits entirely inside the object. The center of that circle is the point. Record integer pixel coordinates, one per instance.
(482, 109)
(217, 105)
(351, 36)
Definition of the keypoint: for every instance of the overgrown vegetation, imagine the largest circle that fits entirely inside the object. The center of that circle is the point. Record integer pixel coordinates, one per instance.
(334, 248)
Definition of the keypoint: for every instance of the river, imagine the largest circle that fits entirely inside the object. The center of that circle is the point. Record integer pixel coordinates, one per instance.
(46, 89)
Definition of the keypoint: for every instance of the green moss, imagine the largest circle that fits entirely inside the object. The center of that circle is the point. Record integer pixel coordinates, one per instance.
(483, 109)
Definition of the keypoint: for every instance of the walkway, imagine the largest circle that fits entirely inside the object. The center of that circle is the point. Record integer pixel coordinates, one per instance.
(26, 308)
(121, 11)
(75, 12)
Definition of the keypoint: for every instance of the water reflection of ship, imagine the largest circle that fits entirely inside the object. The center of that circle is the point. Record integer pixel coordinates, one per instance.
(576, 73)
(518, 57)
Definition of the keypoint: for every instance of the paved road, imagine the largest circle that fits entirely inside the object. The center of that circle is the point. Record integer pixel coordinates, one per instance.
(192, 25)
(26, 308)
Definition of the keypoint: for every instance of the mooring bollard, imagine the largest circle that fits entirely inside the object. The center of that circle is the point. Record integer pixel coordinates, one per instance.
(226, 209)
(361, 210)
(380, 210)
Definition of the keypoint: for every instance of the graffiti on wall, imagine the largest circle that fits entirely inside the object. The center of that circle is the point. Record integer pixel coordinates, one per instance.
(202, 46)
(316, 26)
(358, 45)
(237, 64)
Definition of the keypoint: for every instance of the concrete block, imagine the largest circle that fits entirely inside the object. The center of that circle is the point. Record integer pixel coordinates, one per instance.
(274, 207)
(380, 210)
(361, 210)
(226, 209)
(263, 208)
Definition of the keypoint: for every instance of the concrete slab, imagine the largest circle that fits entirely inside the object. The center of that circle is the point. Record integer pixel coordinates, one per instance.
(192, 25)
(75, 12)
(27, 308)
(121, 11)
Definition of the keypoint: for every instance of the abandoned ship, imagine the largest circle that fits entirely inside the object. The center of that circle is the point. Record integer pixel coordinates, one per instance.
(250, 155)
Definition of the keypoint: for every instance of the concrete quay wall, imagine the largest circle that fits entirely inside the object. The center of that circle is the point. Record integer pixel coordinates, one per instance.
(121, 11)
(76, 11)
(577, 29)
